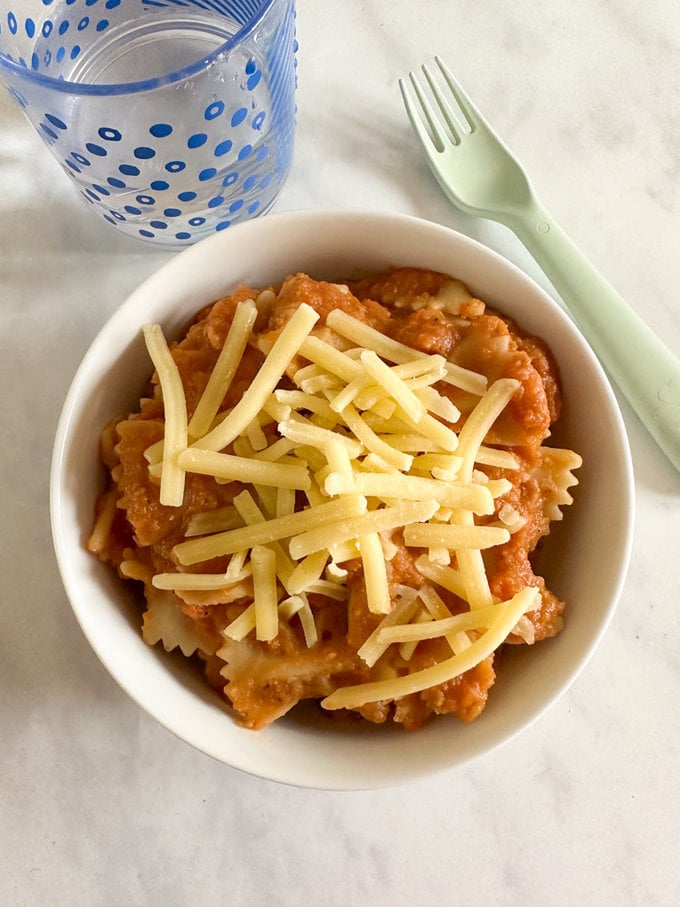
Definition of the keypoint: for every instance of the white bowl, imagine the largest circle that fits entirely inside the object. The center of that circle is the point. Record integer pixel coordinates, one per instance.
(584, 559)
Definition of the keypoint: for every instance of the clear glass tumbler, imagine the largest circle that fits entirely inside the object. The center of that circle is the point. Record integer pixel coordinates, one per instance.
(174, 118)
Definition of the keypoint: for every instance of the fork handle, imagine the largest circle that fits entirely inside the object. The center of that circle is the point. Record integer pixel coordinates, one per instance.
(645, 370)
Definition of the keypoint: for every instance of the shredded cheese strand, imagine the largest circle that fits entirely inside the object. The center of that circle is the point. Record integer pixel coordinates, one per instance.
(194, 551)
(174, 403)
(481, 419)
(440, 535)
(375, 574)
(356, 526)
(225, 368)
(282, 352)
(355, 696)
(243, 469)
(198, 581)
(265, 596)
(361, 333)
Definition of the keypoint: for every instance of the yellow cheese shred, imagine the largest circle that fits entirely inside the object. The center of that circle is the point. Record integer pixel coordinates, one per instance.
(174, 403)
(355, 696)
(194, 551)
(225, 368)
(285, 347)
(265, 595)
(375, 574)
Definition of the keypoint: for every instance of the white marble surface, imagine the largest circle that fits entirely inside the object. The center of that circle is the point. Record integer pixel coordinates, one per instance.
(99, 804)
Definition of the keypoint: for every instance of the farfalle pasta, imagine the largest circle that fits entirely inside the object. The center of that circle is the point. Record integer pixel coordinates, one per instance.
(333, 491)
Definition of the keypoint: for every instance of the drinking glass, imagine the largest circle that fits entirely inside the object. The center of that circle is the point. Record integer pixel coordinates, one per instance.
(174, 118)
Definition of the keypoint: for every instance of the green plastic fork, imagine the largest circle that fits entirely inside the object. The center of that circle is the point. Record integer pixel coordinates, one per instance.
(481, 177)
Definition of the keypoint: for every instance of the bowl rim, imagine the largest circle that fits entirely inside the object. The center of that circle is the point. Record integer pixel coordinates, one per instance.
(117, 324)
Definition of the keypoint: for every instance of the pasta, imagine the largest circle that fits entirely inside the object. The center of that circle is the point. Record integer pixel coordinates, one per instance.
(334, 491)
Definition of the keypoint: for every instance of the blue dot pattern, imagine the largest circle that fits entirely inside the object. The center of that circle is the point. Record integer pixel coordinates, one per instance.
(189, 169)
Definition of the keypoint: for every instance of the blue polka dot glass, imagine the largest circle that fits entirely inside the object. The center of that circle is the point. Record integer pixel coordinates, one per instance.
(174, 118)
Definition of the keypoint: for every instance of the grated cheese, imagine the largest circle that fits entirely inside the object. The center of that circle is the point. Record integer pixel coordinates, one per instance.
(225, 369)
(285, 347)
(194, 551)
(355, 696)
(440, 535)
(174, 404)
(375, 573)
(198, 581)
(366, 336)
(357, 525)
(265, 596)
(362, 438)
(242, 469)
(395, 386)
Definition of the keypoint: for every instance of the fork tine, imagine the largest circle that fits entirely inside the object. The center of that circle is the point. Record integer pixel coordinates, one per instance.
(435, 136)
(471, 113)
(446, 110)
